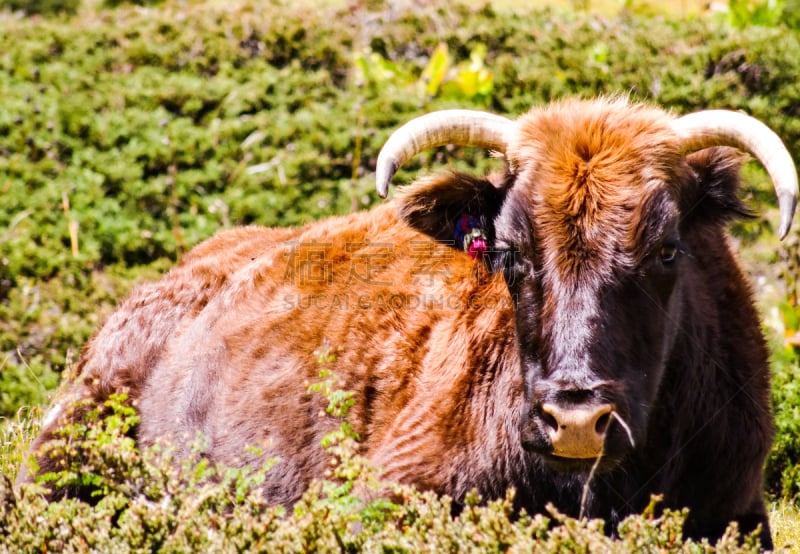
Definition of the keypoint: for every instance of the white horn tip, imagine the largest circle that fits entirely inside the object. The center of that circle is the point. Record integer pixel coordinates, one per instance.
(384, 171)
(787, 205)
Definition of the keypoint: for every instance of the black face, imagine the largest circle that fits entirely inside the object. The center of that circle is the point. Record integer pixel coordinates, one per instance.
(593, 343)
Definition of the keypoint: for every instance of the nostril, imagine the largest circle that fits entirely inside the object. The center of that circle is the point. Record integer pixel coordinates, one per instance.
(602, 423)
(549, 419)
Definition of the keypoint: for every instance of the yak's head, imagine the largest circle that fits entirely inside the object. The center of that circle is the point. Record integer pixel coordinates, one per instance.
(586, 226)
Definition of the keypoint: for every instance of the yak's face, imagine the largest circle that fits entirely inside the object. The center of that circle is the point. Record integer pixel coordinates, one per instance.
(588, 240)
(596, 289)
(586, 227)
(592, 355)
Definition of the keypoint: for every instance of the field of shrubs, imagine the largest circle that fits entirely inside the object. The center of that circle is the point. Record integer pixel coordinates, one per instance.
(128, 134)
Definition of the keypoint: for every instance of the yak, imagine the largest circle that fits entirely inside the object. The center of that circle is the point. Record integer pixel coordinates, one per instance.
(579, 311)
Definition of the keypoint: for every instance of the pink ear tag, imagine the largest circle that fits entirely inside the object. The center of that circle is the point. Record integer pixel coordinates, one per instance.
(469, 234)
(477, 247)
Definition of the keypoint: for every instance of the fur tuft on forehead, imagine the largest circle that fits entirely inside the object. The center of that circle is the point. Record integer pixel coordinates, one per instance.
(590, 171)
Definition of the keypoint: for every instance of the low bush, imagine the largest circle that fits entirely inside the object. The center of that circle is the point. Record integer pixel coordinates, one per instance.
(41, 7)
(783, 464)
(152, 502)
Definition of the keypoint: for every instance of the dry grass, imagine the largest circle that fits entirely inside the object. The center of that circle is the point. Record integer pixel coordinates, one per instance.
(785, 521)
(15, 435)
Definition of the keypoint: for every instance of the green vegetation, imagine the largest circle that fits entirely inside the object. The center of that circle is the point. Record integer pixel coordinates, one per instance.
(129, 135)
(152, 502)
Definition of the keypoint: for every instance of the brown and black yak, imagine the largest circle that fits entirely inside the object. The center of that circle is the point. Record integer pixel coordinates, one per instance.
(581, 307)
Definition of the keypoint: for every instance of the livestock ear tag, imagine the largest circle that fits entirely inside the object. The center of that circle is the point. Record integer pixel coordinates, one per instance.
(470, 236)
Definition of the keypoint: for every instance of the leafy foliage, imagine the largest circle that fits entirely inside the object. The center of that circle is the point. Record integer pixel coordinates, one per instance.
(744, 13)
(783, 465)
(152, 501)
(41, 7)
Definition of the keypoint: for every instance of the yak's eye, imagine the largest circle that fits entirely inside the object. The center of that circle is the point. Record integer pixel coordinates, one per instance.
(513, 266)
(669, 252)
(506, 263)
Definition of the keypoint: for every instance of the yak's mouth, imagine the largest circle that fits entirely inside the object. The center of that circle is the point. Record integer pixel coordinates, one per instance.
(600, 464)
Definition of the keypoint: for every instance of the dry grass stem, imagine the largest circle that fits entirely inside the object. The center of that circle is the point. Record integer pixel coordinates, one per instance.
(590, 477)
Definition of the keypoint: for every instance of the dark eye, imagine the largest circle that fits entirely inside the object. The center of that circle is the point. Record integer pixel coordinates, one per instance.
(669, 252)
(511, 264)
(507, 264)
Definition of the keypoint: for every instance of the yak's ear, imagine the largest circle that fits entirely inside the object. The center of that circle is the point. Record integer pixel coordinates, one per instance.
(434, 205)
(712, 193)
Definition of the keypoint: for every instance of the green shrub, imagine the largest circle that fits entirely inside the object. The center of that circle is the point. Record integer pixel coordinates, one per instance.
(791, 14)
(746, 13)
(41, 7)
(151, 501)
(115, 3)
(783, 464)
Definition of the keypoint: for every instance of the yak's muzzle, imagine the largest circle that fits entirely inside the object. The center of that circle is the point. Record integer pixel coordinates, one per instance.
(576, 431)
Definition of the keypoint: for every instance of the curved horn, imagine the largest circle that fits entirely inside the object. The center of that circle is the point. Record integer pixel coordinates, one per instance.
(463, 127)
(726, 128)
